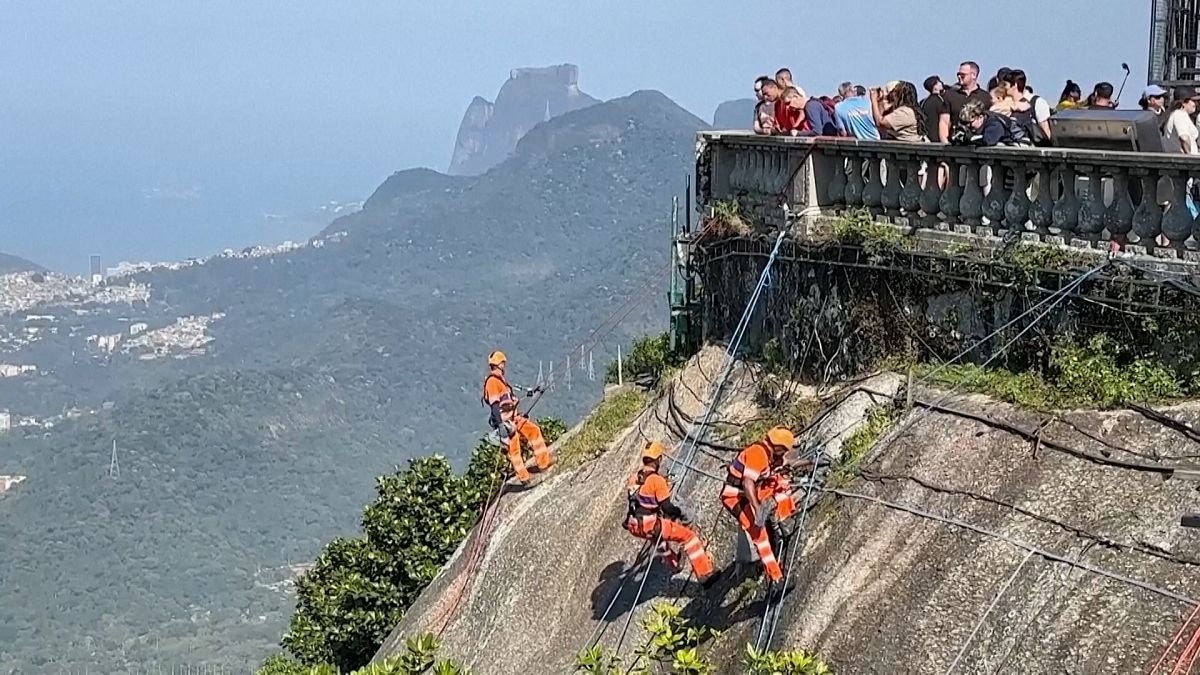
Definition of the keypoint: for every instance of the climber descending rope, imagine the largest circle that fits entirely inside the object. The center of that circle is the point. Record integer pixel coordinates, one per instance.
(691, 442)
(652, 515)
(509, 426)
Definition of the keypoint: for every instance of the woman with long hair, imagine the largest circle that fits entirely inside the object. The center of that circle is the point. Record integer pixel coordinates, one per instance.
(897, 114)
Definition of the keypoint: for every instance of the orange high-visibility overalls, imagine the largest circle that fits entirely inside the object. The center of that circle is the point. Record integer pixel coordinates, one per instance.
(648, 492)
(497, 390)
(754, 463)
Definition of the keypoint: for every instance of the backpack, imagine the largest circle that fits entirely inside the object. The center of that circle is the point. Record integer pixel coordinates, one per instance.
(1027, 120)
(1018, 134)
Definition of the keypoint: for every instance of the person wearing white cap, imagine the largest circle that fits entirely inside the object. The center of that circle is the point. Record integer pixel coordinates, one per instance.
(1154, 99)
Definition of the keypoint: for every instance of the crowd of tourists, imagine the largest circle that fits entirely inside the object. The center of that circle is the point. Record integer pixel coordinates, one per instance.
(1004, 112)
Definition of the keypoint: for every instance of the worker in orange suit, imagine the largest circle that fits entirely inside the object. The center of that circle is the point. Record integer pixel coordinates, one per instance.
(510, 425)
(754, 476)
(651, 514)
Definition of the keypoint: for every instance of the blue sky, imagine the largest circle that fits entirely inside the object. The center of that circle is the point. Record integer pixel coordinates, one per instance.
(156, 129)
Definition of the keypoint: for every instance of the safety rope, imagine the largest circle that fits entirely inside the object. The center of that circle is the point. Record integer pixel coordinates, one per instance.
(1041, 552)
(700, 428)
(489, 510)
(995, 601)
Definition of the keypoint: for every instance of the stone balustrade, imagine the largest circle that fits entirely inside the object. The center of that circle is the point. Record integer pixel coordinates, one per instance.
(1085, 198)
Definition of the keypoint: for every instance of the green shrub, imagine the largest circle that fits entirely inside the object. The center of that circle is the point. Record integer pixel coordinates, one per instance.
(360, 587)
(1098, 373)
(879, 420)
(786, 662)
(650, 355)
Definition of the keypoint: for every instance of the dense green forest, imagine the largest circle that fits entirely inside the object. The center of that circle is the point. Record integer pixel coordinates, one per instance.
(332, 366)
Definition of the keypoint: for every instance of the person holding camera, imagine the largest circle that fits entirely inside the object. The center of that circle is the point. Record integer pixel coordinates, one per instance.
(896, 112)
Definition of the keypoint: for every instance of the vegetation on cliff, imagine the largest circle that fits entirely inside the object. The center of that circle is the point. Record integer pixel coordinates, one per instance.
(361, 587)
(331, 366)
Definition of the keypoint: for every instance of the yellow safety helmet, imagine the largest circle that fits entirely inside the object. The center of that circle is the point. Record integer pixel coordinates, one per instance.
(781, 436)
(496, 358)
(653, 450)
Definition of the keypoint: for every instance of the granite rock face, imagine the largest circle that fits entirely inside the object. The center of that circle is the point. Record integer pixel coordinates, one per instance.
(489, 131)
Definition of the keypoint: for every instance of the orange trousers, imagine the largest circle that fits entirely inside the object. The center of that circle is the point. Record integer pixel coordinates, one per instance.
(525, 428)
(739, 508)
(646, 528)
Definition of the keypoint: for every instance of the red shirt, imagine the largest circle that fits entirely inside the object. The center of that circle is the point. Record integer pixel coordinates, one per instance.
(786, 118)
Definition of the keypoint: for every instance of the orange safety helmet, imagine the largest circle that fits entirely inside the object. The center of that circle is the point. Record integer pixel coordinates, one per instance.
(497, 358)
(782, 437)
(653, 450)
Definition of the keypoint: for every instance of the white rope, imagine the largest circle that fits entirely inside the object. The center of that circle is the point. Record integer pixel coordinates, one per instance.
(995, 600)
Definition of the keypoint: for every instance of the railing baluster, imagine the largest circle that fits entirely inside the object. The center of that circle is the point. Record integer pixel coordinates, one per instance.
(971, 205)
(997, 197)
(873, 192)
(1066, 208)
(931, 195)
(1091, 208)
(910, 196)
(1118, 218)
(1177, 220)
(1041, 211)
(952, 195)
(1147, 217)
(854, 182)
(1016, 208)
(837, 184)
(891, 186)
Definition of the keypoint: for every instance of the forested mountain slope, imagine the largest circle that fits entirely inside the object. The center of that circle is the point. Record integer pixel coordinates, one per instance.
(329, 366)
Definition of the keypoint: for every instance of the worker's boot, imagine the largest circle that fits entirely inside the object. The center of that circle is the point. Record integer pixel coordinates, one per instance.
(709, 581)
(781, 588)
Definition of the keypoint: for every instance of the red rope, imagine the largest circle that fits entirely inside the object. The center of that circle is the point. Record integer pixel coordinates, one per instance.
(1178, 634)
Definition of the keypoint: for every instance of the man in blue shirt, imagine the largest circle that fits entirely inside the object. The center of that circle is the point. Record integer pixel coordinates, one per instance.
(854, 115)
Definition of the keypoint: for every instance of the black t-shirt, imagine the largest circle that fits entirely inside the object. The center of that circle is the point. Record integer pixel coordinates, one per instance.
(933, 107)
(956, 100)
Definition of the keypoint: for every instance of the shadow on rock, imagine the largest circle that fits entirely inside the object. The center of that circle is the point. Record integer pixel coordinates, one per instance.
(737, 597)
(614, 595)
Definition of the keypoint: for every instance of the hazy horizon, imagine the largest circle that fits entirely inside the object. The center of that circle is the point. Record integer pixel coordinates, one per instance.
(140, 130)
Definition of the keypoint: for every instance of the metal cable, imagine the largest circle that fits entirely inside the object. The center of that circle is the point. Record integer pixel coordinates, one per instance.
(995, 600)
(1053, 301)
(1048, 555)
(701, 427)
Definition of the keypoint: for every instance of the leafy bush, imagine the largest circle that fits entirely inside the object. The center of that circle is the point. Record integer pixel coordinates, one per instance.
(360, 588)
(1100, 372)
(727, 221)
(673, 647)
(787, 662)
(1097, 373)
(650, 355)
(876, 239)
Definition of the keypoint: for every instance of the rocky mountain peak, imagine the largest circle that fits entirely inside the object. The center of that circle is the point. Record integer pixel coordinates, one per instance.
(489, 131)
